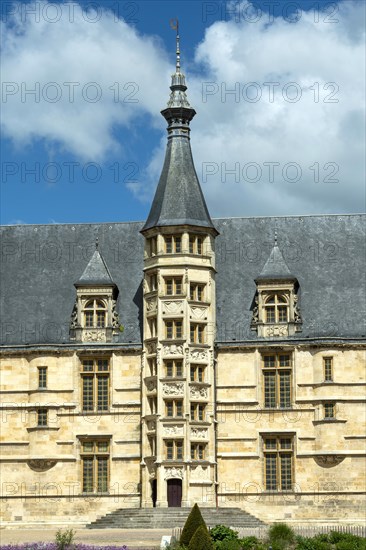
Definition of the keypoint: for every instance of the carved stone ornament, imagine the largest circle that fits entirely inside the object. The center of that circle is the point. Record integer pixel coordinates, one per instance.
(276, 330)
(328, 461)
(151, 425)
(173, 430)
(199, 472)
(151, 386)
(173, 350)
(198, 355)
(151, 304)
(173, 473)
(172, 307)
(173, 389)
(198, 393)
(74, 317)
(41, 465)
(151, 347)
(96, 335)
(199, 433)
(297, 313)
(198, 312)
(115, 316)
(255, 318)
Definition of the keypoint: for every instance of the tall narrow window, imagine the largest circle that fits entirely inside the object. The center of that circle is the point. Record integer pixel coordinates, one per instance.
(174, 329)
(197, 333)
(195, 244)
(197, 373)
(42, 378)
(173, 244)
(42, 417)
(95, 313)
(95, 465)
(174, 449)
(197, 292)
(328, 369)
(198, 411)
(198, 451)
(277, 380)
(278, 462)
(95, 385)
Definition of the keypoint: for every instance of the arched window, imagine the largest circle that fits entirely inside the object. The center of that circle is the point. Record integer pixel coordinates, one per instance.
(95, 313)
(276, 309)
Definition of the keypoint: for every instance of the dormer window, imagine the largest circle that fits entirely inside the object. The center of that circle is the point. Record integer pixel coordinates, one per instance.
(276, 309)
(95, 313)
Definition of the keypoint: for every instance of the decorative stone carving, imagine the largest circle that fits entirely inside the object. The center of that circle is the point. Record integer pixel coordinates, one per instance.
(198, 312)
(173, 473)
(151, 347)
(276, 330)
(41, 465)
(186, 278)
(151, 304)
(198, 393)
(96, 335)
(199, 433)
(151, 425)
(198, 355)
(172, 307)
(173, 430)
(74, 317)
(200, 472)
(255, 318)
(151, 385)
(297, 313)
(173, 350)
(115, 316)
(173, 389)
(328, 461)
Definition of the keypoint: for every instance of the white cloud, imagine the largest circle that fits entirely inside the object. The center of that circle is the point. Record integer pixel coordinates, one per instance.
(225, 132)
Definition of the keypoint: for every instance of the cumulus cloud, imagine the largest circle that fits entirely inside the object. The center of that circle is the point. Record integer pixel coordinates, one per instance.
(273, 155)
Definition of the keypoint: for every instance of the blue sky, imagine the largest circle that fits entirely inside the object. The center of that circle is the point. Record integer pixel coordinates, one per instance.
(278, 88)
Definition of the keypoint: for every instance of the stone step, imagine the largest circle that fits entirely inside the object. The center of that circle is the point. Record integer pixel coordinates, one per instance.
(165, 518)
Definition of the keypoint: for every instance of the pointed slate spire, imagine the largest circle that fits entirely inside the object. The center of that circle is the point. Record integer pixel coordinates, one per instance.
(96, 272)
(275, 267)
(178, 198)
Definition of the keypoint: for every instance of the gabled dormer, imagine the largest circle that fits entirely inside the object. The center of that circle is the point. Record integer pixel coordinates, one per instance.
(276, 308)
(94, 317)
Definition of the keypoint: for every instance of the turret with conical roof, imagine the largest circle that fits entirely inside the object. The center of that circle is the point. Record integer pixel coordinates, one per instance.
(178, 198)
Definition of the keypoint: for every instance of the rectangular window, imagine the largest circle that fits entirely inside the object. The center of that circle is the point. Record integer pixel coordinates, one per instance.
(196, 292)
(89, 319)
(197, 373)
(328, 369)
(42, 417)
(277, 381)
(173, 244)
(95, 465)
(195, 244)
(278, 462)
(174, 329)
(95, 385)
(329, 410)
(152, 282)
(270, 314)
(174, 450)
(152, 246)
(173, 286)
(197, 333)
(198, 411)
(173, 369)
(42, 378)
(174, 408)
(198, 451)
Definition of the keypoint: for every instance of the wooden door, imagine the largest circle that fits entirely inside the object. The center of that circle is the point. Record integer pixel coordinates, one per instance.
(174, 493)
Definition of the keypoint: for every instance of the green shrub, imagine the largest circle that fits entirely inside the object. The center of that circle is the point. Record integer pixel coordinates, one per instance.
(221, 532)
(281, 536)
(319, 542)
(227, 545)
(193, 522)
(201, 540)
(250, 543)
(64, 538)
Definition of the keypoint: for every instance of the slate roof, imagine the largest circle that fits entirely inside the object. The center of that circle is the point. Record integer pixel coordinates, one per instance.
(178, 198)
(39, 265)
(275, 267)
(96, 272)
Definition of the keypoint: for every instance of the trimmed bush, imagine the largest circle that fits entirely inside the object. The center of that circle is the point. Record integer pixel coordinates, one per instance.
(193, 522)
(221, 532)
(201, 540)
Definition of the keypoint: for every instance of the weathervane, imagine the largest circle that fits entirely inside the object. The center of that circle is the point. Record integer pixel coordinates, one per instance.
(174, 24)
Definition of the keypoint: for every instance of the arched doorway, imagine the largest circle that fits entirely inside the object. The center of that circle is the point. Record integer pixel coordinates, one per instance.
(174, 490)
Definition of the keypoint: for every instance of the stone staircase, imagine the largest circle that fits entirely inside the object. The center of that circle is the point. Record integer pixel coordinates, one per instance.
(168, 518)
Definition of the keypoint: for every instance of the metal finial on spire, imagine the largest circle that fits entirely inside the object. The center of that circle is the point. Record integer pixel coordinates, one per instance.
(174, 23)
(275, 237)
(97, 243)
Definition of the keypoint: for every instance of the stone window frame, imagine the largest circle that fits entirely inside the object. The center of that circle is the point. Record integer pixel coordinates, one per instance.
(198, 412)
(98, 456)
(42, 377)
(98, 306)
(174, 408)
(176, 366)
(198, 451)
(328, 368)
(173, 243)
(197, 333)
(196, 370)
(176, 328)
(174, 448)
(277, 369)
(329, 409)
(196, 244)
(276, 301)
(197, 291)
(97, 392)
(42, 417)
(279, 451)
(176, 283)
